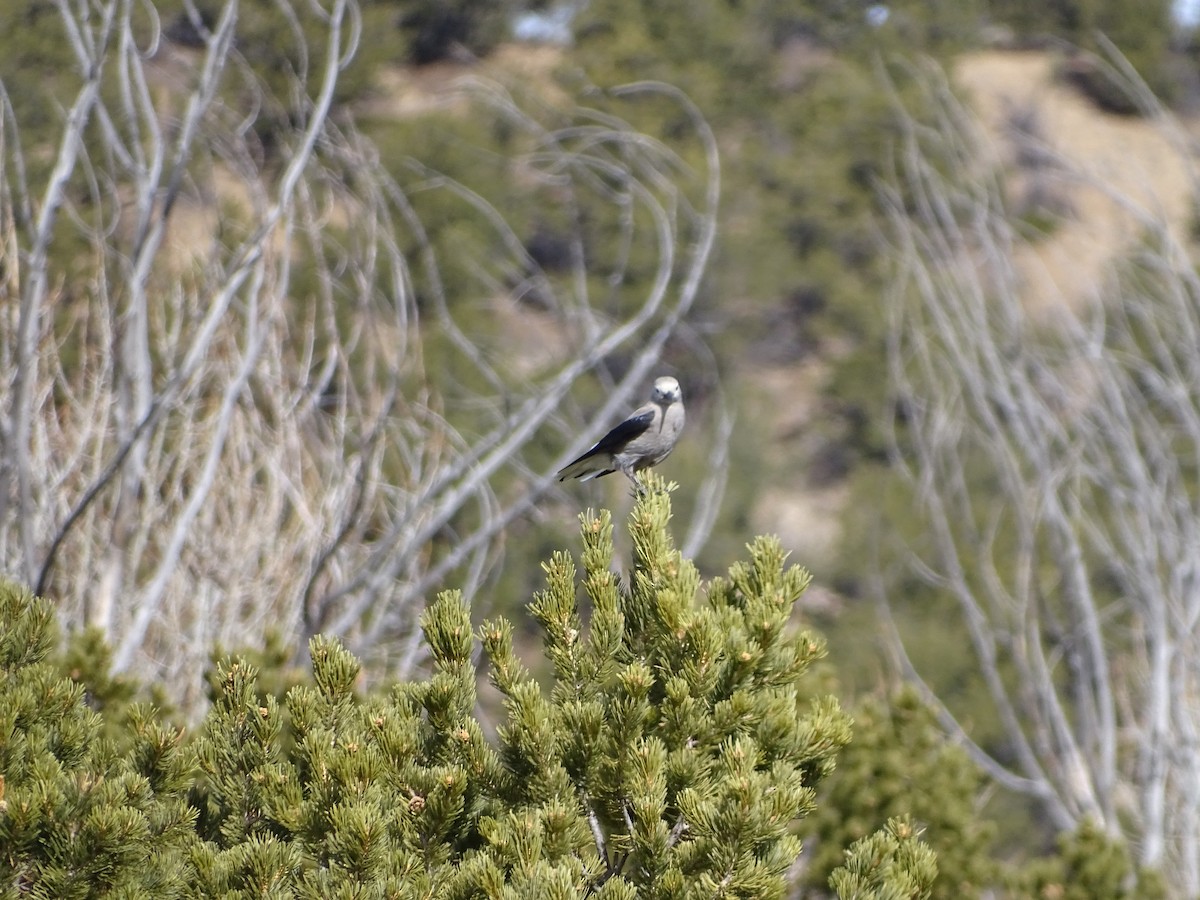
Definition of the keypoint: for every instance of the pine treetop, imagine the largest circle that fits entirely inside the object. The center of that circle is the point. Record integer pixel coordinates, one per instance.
(666, 753)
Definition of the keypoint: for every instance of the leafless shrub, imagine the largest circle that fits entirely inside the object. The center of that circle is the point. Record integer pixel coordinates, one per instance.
(1074, 559)
(259, 408)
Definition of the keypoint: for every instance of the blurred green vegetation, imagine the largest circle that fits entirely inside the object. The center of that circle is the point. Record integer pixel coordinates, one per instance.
(1088, 865)
(900, 763)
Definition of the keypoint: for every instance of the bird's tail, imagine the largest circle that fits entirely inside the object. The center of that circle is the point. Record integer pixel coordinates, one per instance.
(584, 469)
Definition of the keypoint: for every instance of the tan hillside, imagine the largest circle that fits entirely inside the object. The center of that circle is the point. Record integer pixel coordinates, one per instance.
(1134, 158)
(1137, 159)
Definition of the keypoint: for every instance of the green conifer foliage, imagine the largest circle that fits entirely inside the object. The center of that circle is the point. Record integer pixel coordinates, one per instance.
(666, 755)
(891, 864)
(1089, 865)
(672, 728)
(76, 818)
(901, 763)
(664, 751)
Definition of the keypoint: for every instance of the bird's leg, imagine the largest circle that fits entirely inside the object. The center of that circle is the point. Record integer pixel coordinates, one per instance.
(639, 489)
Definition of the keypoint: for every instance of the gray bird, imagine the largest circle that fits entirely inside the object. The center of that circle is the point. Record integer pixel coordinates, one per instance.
(641, 441)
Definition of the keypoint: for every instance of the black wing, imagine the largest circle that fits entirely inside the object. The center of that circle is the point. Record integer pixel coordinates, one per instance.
(619, 437)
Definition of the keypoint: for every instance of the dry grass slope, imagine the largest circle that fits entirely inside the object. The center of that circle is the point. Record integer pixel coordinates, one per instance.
(1134, 158)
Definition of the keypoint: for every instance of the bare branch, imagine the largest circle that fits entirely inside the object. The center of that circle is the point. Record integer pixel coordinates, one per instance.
(254, 401)
(1053, 459)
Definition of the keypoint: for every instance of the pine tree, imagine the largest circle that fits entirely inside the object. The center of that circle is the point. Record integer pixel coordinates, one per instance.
(76, 818)
(673, 721)
(899, 764)
(663, 751)
(667, 754)
(891, 864)
(1089, 865)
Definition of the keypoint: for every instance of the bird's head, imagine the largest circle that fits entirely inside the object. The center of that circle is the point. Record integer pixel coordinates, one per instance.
(666, 391)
